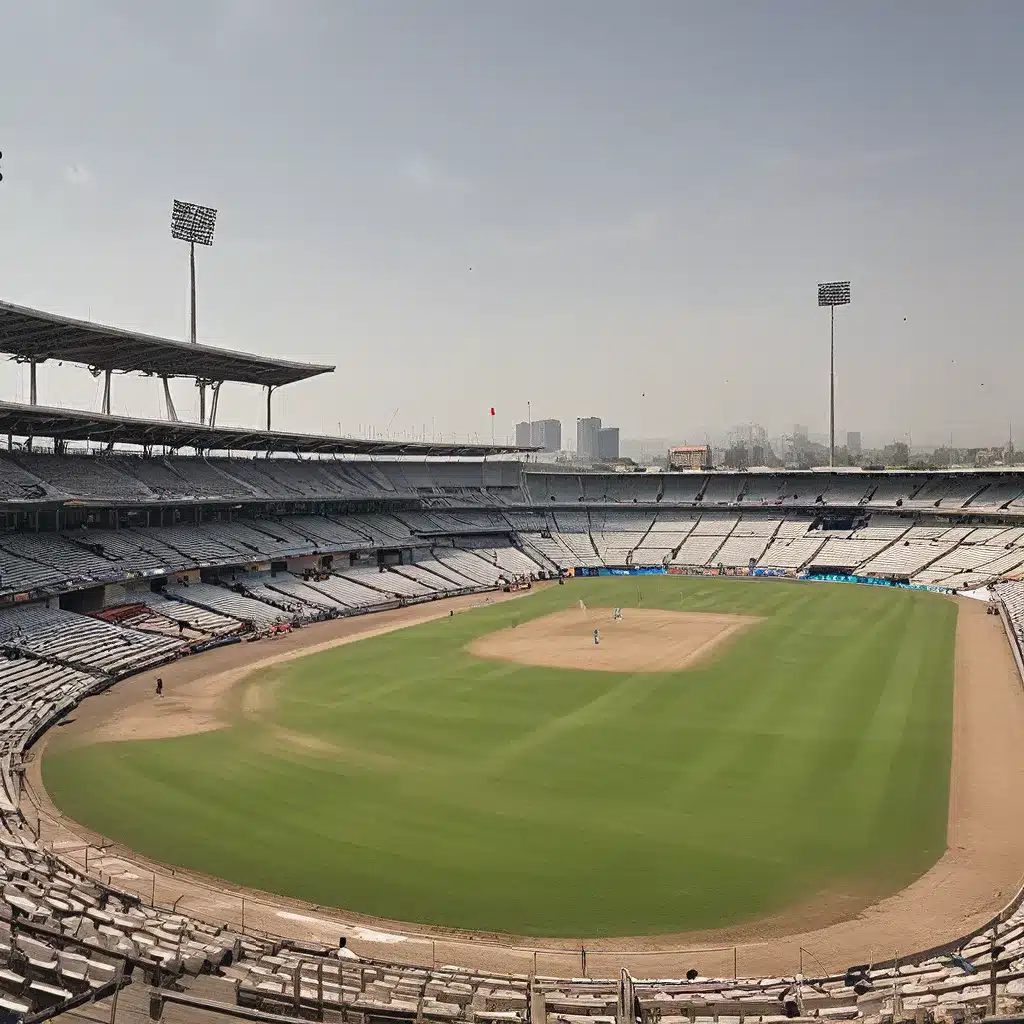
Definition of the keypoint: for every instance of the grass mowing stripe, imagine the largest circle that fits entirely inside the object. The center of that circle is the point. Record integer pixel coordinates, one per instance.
(402, 776)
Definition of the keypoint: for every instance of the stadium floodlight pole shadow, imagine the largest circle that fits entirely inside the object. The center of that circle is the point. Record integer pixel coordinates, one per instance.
(194, 224)
(832, 294)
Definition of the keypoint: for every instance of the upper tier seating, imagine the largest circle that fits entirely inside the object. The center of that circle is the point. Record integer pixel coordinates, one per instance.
(85, 476)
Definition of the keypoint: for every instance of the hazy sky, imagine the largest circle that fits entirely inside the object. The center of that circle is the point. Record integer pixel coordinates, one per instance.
(612, 209)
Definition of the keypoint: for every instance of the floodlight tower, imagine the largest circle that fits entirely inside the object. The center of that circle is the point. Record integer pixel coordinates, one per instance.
(193, 224)
(832, 294)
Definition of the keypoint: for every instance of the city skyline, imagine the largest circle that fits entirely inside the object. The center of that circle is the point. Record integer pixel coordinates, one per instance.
(466, 209)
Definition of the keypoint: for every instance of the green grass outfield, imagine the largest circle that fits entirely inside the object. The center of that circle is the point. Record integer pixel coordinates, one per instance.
(810, 756)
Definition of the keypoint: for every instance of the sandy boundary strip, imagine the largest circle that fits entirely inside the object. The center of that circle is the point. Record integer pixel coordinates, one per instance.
(978, 874)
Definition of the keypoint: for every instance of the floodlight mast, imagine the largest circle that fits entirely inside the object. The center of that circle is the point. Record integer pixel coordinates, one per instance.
(193, 224)
(832, 294)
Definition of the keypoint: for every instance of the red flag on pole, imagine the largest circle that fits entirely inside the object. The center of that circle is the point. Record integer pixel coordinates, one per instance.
(492, 410)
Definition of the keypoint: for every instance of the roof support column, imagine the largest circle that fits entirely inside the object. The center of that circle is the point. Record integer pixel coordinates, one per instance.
(106, 392)
(270, 391)
(32, 389)
(215, 388)
(172, 413)
(201, 384)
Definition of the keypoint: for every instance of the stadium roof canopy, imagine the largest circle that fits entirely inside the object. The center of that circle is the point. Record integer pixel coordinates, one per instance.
(34, 336)
(73, 425)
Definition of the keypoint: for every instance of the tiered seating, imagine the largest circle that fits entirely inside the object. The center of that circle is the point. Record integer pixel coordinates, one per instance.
(998, 493)
(303, 593)
(394, 584)
(262, 587)
(1011, 593)
(756, 526)
(542, 488)
(697, 551)
(201, 619)
(846, 489)
(83, 476)
(17, 484)
(328, 534)
(508, 560)
(611, 520)
(804, 488)
(20, 574)
(668, 531)
(580, 548)
(53, 550)
(948, 491)
(793, 527)
(549, 549)
(525, 522)
(883, 527)
(143, 618)
(715, 524)
(82, 642)
(905, 558)
(276, 538)
(384, 531)
(895, 489)
(839, 551)
(348, 591)
(32, 692)
(621, 487)
(470, 565)
(228, 602)
(1000, 536)
(211, 478)
(682, 488)
(790, 553)
(722, 490)
(739, 551)
(762, 489)
(437, 575)
(158, 476)
(204, 545)
(288, 478)
(615, 548)
(136, 551)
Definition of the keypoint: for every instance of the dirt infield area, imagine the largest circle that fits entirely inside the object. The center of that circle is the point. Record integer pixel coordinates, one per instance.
(643, 640)
(978, 874)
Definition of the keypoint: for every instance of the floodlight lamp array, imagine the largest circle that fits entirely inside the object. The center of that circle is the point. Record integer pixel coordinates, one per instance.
(193, 223)
(834, 293)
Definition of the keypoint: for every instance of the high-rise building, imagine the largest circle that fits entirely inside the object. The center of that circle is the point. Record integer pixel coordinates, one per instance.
(587, 430)
(853, 445)
(548, 434)
(608, 443)
(543, 434)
